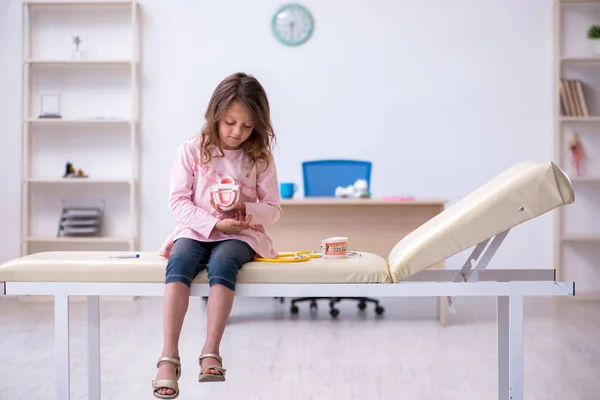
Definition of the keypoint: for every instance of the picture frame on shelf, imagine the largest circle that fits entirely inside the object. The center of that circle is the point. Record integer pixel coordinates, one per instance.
(50, 105)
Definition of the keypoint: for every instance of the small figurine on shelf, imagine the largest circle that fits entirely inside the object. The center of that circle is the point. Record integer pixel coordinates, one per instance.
(577, 152)
(70, 172)
(77, 54)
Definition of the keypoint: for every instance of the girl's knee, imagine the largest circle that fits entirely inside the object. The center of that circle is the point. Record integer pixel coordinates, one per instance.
(226, 261)
(180, 268)
(223, 269)
(185, 261)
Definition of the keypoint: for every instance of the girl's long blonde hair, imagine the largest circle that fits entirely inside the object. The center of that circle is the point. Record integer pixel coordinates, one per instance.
(246, 89)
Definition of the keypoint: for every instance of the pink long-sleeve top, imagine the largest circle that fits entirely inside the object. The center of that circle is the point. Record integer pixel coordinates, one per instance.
(190, 197)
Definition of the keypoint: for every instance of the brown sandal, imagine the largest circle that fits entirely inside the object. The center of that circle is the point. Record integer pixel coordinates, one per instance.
(211, 377)
(167, 383)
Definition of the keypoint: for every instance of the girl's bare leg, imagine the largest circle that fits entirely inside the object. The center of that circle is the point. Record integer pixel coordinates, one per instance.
(225, 261)
(218, 309)
(175, 305)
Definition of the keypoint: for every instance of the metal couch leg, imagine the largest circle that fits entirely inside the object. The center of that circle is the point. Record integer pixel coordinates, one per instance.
(510, 347)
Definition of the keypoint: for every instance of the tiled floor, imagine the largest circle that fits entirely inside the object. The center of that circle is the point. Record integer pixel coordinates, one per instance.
(270, 355)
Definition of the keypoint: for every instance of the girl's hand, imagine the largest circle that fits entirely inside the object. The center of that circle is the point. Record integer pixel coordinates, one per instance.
(233, 225)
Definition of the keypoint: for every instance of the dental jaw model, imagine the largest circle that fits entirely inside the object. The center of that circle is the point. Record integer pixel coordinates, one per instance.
(226, 193)
(335, 247)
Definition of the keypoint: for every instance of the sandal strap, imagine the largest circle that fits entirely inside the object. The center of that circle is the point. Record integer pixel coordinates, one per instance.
(170, 360)
(165, 384)
(210, 355)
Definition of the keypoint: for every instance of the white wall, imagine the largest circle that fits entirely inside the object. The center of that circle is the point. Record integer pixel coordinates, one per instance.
(441, 96)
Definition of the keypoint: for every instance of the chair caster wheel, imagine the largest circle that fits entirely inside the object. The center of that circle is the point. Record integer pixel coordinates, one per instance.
(379, 310)
(294, 309)
(362, 305)
(334, 312)
(313, 306)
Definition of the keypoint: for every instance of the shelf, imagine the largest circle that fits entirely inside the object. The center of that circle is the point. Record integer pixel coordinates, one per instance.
(584, 179)
(586, 60)
(99, 101)
(101, 239)
(581, 238)
(568, 2)
(79, 181)
(579, 119)
(577, 89)
(61, 121)
(84, 91)
(79, 3)
(78, 62)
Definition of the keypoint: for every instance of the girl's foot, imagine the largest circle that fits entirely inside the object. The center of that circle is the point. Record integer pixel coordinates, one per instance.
(169, 370)
(210, 362)
(211, 368)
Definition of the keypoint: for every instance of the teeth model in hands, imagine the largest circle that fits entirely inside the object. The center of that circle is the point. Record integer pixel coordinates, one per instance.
(226, 193)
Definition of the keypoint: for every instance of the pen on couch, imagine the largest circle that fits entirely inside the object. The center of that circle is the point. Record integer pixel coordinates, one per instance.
(126, 256)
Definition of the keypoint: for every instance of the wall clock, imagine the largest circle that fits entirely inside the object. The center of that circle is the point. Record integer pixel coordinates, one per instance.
(292, 24)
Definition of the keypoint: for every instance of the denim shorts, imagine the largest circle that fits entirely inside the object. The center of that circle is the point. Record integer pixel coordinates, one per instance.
(222, 260)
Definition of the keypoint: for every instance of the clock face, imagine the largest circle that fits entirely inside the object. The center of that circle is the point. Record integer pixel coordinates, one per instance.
(292, 24)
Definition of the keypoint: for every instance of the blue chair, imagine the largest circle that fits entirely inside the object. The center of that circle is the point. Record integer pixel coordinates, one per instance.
(321, 178)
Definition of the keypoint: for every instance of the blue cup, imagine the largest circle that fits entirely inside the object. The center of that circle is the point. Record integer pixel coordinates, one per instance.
(287, 189)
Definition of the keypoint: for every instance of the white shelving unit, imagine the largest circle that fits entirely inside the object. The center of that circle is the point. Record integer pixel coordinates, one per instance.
(98, 128)
(577, 229)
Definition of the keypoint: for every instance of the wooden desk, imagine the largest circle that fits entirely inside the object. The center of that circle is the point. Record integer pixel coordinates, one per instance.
(371, 225)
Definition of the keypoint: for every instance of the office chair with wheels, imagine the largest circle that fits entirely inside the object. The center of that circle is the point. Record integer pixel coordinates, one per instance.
(321, 178)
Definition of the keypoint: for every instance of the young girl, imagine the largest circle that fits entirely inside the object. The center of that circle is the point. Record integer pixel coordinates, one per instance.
(236, 142)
